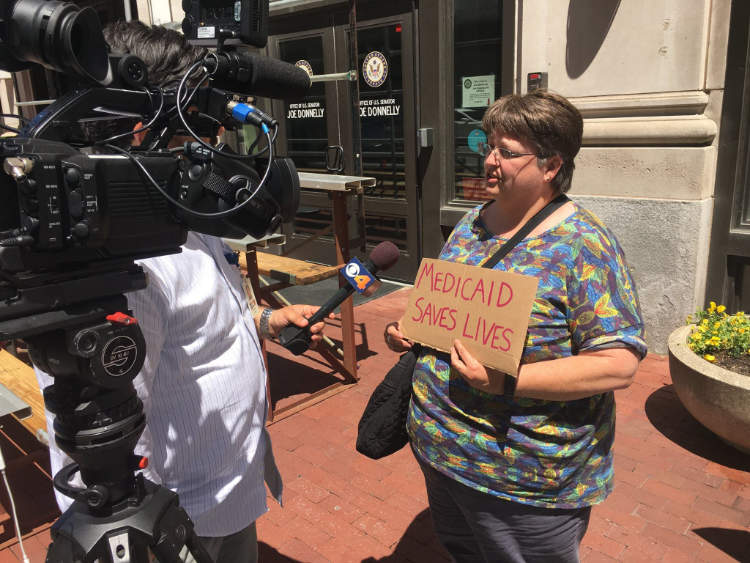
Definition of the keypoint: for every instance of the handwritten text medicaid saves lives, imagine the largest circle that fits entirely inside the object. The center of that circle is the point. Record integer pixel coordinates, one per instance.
(478, 324)
(488, 310)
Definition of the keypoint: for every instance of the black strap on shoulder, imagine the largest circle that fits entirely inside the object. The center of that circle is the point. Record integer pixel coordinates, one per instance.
(529, 226)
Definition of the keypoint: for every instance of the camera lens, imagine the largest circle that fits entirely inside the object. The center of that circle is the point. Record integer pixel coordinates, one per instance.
(60, 36)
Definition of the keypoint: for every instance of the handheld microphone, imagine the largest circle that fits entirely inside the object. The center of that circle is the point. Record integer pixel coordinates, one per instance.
(296, 339)
(246, 73)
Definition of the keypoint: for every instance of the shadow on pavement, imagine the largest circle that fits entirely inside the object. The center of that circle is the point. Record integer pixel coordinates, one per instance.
(418, 544)
(734, 543)
(289, 378)
(665, 411)
(268, 554)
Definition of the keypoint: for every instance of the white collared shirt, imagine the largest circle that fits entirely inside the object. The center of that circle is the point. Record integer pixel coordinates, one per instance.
(203, 387)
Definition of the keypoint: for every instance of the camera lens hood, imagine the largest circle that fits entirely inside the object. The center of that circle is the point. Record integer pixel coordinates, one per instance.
(60, 36)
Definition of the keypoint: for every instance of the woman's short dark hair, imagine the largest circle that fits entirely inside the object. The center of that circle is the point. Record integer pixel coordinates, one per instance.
(167, 53)
(544, 120)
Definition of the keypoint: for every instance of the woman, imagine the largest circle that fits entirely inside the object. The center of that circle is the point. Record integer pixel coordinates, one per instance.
(512, 473)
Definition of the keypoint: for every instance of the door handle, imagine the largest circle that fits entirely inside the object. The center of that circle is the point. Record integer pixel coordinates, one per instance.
(335, 159)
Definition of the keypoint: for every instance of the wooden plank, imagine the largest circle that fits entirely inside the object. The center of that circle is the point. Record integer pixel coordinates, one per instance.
(248, 242)
(21, 379)
(334, 182)
(290, 270)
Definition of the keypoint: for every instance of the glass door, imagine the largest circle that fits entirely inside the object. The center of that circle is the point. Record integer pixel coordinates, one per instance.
(306, 132)
(388, 130)
(387, 121)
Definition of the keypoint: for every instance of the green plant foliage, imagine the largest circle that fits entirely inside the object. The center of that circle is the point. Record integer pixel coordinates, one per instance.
(716, 331)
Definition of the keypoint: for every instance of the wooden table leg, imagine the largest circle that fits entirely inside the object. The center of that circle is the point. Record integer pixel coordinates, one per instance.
(341, 235)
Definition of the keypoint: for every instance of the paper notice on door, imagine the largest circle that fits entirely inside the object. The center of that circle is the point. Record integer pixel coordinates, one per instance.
(478, 91)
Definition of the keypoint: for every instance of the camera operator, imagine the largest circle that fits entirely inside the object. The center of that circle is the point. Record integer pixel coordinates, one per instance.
(203, 384)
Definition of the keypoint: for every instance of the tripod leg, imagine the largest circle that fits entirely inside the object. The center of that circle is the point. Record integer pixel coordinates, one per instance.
(175, 540)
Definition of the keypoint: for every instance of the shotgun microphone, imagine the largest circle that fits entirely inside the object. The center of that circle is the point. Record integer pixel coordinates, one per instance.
(246, 73)
(297, 339)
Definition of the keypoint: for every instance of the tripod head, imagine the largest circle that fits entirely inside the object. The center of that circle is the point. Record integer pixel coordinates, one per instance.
(94, 350)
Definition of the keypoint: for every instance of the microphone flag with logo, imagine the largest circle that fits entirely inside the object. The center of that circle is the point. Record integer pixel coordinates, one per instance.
(382, 257)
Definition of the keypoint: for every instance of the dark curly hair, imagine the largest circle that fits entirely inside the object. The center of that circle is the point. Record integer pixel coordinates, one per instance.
(166, 52)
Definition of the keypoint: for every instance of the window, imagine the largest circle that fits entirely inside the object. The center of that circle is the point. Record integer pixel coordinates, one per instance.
(477, 77)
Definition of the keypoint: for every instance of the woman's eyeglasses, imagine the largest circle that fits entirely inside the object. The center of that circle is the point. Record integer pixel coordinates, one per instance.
(506, 154)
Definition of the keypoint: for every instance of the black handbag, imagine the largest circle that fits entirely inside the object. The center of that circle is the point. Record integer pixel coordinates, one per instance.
(382, 429)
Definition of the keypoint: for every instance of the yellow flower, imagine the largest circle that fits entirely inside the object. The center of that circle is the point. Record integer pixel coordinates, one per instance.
(711, 307)
(717, 324)
(709, 357)
(720, 309)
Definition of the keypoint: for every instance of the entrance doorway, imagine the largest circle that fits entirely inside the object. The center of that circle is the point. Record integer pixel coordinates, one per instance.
(323, 119)
(729, 256)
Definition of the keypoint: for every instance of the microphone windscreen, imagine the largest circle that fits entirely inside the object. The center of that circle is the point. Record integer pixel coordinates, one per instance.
(273, 78)
(384, 255)
(246, 73)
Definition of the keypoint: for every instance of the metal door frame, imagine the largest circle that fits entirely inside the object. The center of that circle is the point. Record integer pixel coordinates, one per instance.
(406, 268)
(334, 27)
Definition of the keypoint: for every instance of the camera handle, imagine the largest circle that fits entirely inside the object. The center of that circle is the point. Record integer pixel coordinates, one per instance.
(119, 516)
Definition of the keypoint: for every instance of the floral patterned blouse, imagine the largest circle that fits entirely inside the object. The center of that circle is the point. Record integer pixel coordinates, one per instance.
(554, 454)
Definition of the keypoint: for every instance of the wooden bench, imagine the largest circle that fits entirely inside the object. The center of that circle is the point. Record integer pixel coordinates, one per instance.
(24, 443)
(21, 380)
(288, 271)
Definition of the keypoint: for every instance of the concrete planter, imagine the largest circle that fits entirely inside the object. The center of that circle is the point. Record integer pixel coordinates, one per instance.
(718, 398)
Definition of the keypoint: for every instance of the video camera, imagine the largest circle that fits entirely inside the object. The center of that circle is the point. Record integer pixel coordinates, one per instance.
(81, 205)
(71, 201)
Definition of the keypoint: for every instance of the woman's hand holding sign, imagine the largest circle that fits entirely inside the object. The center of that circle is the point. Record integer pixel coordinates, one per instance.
(394, 338)
(475, 374)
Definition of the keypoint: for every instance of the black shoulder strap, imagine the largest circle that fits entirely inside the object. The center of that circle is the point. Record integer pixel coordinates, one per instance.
(540, 216)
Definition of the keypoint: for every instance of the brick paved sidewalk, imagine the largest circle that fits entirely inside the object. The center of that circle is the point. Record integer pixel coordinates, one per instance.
(680, 493)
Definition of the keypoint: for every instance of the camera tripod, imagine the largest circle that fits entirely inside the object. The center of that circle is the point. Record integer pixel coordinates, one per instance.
(94, 351)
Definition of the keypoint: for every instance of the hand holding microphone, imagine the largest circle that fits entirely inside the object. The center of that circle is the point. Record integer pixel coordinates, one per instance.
(296, 316)
(383, 256)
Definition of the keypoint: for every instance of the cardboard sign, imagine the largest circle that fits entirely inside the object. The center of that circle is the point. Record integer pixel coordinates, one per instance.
(487, 310)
